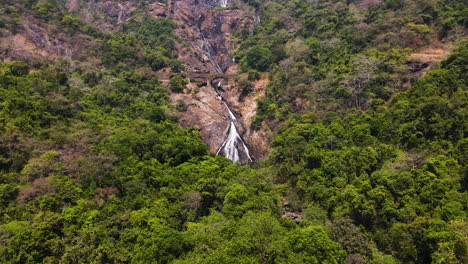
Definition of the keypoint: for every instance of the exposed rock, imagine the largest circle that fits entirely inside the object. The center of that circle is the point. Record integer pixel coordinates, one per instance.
(421, 61)
(296, 217)
(119, 11)
(17, 46)
(208, 33)
(417, 67)
(158, 9)
(294, 214)
(33, 40)
(206, 113)
(97, 12)
(203, 27)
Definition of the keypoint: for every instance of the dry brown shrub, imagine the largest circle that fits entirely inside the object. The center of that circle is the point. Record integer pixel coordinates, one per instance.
(39, 187)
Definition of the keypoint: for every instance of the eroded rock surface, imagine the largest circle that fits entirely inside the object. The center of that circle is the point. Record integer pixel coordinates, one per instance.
(107, 14)
(35, 41)
(208, 30)
(206, 112)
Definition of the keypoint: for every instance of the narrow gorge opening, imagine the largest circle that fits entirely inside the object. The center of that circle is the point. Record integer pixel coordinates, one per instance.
(233, 146)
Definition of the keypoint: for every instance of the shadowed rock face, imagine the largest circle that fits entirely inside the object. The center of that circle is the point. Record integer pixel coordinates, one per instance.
(206, 30)
(33, 40)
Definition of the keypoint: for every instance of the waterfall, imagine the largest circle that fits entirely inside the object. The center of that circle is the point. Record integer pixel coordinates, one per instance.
(119, 18)
(233, 146)
(223, 3)
(257, 20)
(233, 141)
(210, 53)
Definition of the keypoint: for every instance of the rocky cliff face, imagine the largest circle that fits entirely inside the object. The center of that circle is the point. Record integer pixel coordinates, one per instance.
(107, 14)
(209, 115)
(38, 42)
(208, 28)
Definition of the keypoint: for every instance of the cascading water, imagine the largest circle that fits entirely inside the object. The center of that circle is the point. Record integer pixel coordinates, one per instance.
(257, 20)
(233, 146)
(233, 141)
(210, 53)
(223, 3)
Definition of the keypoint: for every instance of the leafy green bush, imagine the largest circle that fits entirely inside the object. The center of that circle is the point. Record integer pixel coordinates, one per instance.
(253, 75)
(257, 58)
(177, 83)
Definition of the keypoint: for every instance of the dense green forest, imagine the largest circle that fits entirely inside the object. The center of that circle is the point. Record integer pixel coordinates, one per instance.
(339, 56)
(95, 169)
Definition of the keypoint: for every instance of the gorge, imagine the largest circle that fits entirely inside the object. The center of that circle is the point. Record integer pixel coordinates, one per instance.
(208, 28)
(233, 131)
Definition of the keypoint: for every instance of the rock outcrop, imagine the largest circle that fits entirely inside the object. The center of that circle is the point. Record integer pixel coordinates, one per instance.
(208, 27)
(207, 113)
(107, 14)
(207, 31)
(35, 41)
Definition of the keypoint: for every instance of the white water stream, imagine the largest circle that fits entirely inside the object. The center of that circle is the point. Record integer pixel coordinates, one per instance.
(233, 146)
(233, 140)
(223, 3)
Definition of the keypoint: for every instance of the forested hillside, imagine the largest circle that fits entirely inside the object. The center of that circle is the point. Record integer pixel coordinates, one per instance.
(365, 110)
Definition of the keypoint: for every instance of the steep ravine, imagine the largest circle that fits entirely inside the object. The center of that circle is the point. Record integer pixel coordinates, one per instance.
(206, 29)
(216, 107)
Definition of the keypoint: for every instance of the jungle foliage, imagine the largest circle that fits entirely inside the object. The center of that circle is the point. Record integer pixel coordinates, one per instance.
(336, 55)
(95, 169)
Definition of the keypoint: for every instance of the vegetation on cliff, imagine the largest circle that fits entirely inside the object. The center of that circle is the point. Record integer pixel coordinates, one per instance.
(95, 169)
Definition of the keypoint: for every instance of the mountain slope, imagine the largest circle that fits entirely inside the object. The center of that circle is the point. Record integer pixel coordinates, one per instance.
(363, 103)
